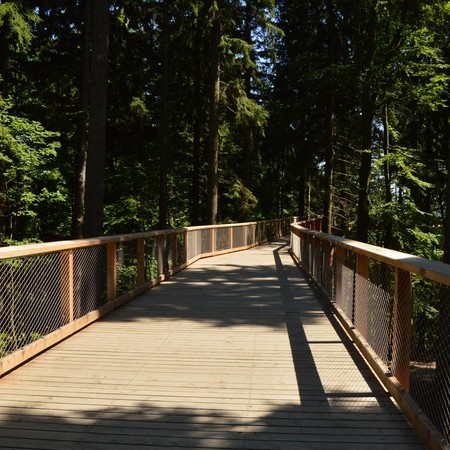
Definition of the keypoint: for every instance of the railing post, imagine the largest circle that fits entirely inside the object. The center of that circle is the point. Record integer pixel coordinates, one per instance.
(362, 294)
(213, 239)
(67, 288)
(402, 327)
(111, 270)
(140, 256)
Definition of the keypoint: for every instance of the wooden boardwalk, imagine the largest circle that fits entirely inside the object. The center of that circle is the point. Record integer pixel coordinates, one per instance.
(235, 352)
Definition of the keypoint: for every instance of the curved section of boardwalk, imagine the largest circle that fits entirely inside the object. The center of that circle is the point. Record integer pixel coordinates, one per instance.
(235, 352)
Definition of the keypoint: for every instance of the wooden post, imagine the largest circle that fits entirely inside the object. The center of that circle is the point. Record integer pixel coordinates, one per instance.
(213, 240)
(111, 264)
(140, 256)
(67, 288)
(230, 237)
(362, 294)
(402, 327)
(71, 281)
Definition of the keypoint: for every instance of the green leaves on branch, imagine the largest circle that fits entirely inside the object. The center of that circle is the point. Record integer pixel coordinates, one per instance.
(18, 18)
(28, 179)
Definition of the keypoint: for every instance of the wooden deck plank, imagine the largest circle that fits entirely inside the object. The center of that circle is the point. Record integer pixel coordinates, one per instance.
(236, 352)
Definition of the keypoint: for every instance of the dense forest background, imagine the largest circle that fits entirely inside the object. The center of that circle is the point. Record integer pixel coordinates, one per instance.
(134, 115)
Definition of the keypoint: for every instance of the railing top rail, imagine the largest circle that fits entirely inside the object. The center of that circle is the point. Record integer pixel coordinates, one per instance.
(49, 247)
(432, 270)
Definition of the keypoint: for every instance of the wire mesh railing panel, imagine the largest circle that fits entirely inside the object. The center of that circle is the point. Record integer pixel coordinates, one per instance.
(126, 260)
(403, 316)
(168, 252)
(89, 279)
(33, 299)
(150, 260)
(238, 237)
(206, 241)
(345, 301)
(193, 244)
(250, 234)
(223, 239)
(379, 308)
(181, 249)
(430, 355)
(261, 231)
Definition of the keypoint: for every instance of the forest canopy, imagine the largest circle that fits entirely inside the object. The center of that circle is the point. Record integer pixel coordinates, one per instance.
(134, 115)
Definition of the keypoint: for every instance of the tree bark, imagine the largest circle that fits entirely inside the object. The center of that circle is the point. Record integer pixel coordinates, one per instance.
(387, 240)
(4, 59)
(196, 144)
(213, 138)
(247, 132)
(95, 166)
(83, 117)
(367, 114)
(329, 126)
(164, 154)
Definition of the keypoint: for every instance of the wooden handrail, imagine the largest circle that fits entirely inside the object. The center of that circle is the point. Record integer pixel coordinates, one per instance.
(432, 270)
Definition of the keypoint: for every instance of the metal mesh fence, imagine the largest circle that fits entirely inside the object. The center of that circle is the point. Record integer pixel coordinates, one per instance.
(429, 367)
(126, 266)
(89, 280)
(42, 292)
(404, 317)
(345, 299)
(238, 237)
(150, 260)
(379, 308)
(223, 241)
(30, 306)
(207, 241)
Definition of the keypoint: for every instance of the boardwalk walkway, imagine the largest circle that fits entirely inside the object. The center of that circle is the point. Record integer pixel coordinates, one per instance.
(235, 352)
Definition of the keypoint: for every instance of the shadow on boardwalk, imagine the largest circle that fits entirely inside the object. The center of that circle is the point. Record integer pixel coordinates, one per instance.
(232, 356)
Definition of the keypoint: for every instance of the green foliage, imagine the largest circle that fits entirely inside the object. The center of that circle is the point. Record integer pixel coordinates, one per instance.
(29, 183)
(18, 19)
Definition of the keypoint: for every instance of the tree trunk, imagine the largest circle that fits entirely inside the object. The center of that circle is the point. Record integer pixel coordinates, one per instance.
(367, 115)
(95, 166)
(82, 151)
(164, 154)
(196, 144)
(213, 138)
(329, 126)
(4, 59)
(247, 132)
(387, 239)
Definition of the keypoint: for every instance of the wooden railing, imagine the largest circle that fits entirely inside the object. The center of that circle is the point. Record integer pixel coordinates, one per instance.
(50, 291)
(396, 308)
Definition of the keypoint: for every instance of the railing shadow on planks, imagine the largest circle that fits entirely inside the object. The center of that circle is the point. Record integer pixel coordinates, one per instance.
(50, 291)
(396, 308)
